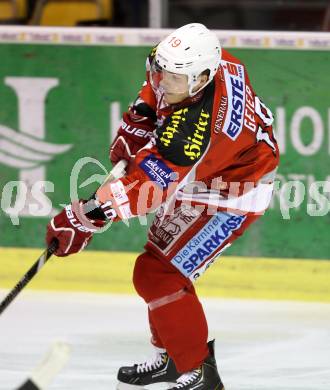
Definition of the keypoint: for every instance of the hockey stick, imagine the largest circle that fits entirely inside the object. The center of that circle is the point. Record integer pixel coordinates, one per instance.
(51, 365)
(115, 173)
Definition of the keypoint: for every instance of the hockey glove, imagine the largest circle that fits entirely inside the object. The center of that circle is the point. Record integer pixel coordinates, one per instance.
(73, 230)
(134, 133)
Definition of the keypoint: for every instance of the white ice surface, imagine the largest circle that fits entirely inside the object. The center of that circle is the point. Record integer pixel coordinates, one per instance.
(260, 345)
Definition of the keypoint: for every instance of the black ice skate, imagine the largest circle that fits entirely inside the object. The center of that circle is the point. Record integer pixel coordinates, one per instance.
(160, 369)
(205, 377)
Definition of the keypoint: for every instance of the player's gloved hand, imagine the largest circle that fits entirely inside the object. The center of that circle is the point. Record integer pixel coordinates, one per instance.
(134, 133)
(72, 229)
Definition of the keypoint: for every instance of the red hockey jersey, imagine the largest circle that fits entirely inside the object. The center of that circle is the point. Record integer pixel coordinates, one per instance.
(216, 149)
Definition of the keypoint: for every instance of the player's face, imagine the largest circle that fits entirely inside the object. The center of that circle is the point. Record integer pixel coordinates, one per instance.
(173, 85)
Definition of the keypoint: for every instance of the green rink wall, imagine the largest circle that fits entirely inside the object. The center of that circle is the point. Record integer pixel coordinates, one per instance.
(61, 98)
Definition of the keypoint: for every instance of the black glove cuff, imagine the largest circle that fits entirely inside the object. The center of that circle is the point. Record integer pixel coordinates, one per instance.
(96, 213)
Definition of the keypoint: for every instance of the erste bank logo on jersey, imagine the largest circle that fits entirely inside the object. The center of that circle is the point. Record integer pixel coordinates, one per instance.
(235, 86)
(26, 150)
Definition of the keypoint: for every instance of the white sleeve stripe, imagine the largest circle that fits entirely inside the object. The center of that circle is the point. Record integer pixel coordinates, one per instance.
(256, 200)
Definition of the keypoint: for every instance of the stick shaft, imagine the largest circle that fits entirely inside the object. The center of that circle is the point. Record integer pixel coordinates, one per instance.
(115, 173)
(28, 276)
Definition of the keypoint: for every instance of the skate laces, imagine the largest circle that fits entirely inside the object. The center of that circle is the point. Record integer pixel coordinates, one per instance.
(188, 378)
(153, 363)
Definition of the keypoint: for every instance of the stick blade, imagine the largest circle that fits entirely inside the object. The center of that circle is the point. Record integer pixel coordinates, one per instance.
(51, 365)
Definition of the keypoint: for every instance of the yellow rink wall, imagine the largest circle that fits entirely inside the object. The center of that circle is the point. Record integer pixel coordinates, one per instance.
(230, 277)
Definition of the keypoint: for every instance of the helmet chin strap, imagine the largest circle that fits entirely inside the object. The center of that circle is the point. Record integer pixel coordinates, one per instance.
(191, 93)
(192, 84)
(161, 103)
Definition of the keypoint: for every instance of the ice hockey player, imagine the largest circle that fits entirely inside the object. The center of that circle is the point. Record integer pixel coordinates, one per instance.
(202, 153)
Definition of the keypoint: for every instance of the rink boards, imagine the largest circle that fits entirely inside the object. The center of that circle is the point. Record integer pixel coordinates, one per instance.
(62, 94)
(229, 277)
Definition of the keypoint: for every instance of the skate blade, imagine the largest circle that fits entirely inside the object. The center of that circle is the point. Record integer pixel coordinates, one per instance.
(126, 386)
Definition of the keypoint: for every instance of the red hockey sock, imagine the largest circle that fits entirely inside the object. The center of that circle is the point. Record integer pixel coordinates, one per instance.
(183, 330)
(155, 339)
(177, 318)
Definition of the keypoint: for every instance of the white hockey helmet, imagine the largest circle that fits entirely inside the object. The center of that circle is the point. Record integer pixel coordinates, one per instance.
(190, 50)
